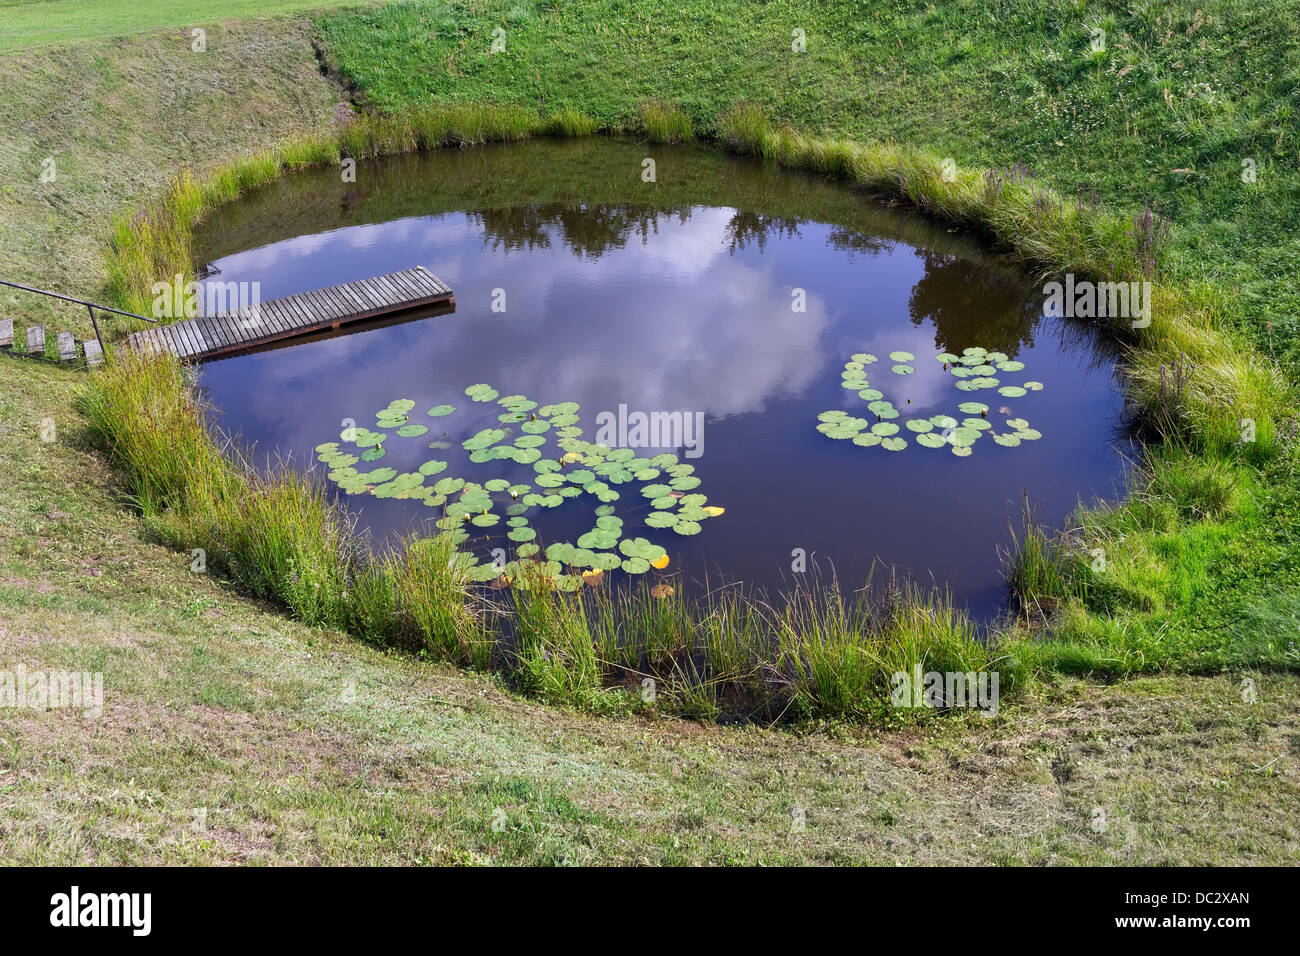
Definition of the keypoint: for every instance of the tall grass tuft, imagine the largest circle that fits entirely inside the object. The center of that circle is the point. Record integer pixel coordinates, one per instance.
(555, 655)
(842, 656)
(665, 123)
(433, 601)
(569, 122)
(146, 417)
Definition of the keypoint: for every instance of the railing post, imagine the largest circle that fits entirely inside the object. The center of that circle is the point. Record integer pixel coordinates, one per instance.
(98, 338)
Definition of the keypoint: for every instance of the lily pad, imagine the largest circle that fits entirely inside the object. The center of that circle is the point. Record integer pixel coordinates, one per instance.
(901, 356)
(440, 411)
(484, 439)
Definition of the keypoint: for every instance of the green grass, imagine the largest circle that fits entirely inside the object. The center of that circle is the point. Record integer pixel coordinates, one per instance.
(307, 747)
(26, 24)
(1184, 92)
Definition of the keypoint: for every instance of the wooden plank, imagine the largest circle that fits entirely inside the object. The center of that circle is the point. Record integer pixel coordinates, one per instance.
(253, 322)
(307, 308)
(422, 280)
(180, 341)
(431, 281)
(6, 333)
(194, 342)
(315, 308)
(375, 294)
(94, 354)
(273, 317)
(395, 295)
(389, 290)
(363, 305)
(169, 340)
(354, 292)
(67, 347)
(427, 280)
(220, 325)
(297, 314)
(148, 341)
(326, 306)
(407, 285)
(289, 315)
(200, 340)
(233, 323)
(36, 340)
(211, 333)
(329, 305)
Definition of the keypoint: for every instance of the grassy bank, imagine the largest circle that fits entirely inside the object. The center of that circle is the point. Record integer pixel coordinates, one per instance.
(1167, 112)
(302, 746)
(234, 735)
(1201, 565)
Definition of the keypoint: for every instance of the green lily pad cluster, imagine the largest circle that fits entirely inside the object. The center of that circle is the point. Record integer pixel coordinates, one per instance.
(565, 466)
(975, 369)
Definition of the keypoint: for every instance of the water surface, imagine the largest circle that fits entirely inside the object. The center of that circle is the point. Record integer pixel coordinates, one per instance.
(678, 295)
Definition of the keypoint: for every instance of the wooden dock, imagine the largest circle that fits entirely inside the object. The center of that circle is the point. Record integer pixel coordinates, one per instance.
(306, 314)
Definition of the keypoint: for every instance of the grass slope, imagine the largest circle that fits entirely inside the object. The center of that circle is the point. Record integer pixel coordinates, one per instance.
(1182, 94)
(231, 735)
(33, 24)
(217, 702)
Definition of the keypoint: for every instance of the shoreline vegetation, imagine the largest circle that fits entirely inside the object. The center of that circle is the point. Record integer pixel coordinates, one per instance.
(1190, 386)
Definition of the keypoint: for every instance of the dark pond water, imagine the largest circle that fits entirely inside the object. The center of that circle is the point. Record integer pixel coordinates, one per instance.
(679, 296)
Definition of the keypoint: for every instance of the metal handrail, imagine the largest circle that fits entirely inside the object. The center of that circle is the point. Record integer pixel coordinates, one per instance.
(90, 307)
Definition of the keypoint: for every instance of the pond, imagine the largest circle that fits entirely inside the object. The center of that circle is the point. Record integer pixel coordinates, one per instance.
(809, 381)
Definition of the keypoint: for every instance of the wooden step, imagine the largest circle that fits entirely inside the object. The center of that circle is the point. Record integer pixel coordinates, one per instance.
(36, 340)
(94, 354)
(67, 347)
(6, 333)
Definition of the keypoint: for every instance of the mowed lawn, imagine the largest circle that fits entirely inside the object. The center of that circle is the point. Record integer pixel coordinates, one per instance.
(39, 23)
